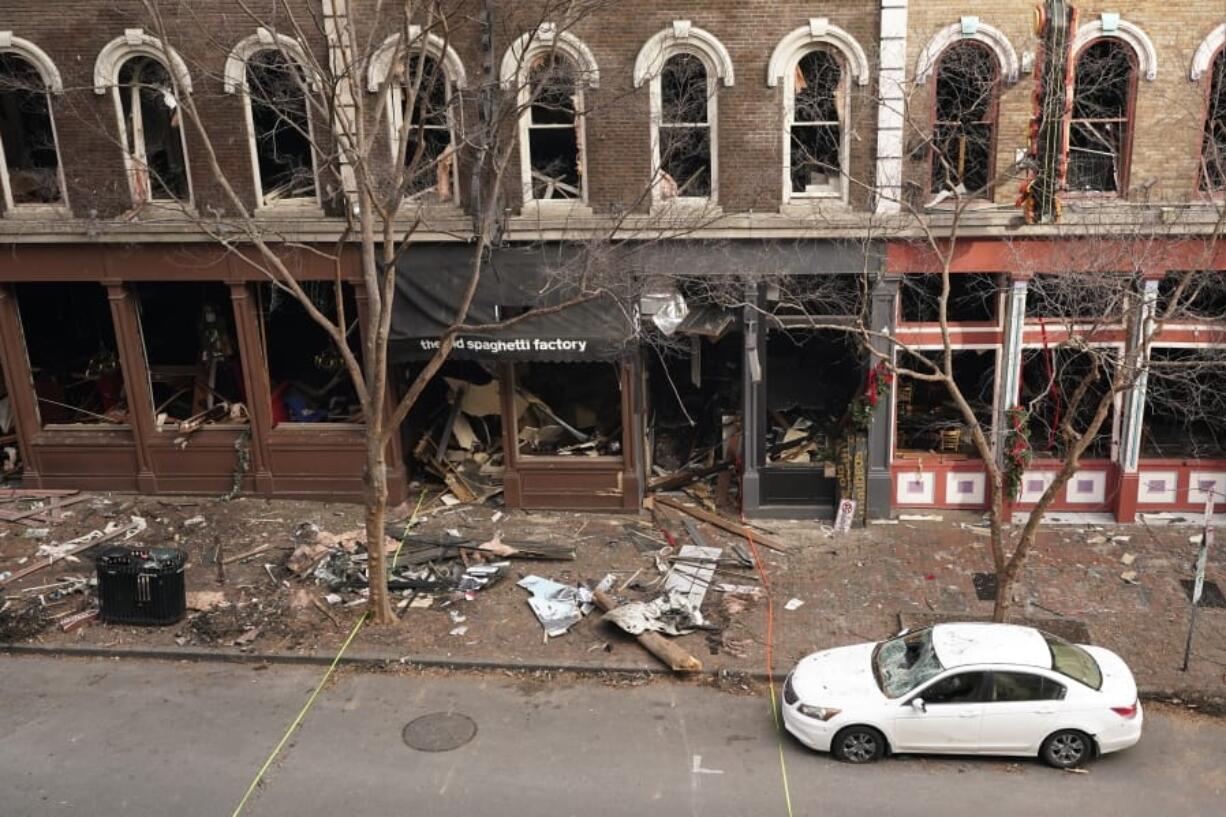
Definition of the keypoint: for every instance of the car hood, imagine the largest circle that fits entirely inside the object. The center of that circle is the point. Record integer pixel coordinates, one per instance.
(1118, 684)
(839, 676)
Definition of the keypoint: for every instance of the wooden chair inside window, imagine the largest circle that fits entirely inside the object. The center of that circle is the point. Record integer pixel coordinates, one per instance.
(951, 441)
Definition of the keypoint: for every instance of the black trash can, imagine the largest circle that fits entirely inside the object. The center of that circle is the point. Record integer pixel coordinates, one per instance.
(141, 585)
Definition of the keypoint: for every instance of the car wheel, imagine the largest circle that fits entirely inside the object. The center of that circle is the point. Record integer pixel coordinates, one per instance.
(1067, 749)
(858, 744)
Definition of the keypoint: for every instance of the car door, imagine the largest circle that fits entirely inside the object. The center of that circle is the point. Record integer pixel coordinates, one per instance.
(949, 721)
(1021, 710)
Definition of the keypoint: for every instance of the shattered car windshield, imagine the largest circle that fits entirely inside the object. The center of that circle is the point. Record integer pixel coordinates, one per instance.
(903, 663)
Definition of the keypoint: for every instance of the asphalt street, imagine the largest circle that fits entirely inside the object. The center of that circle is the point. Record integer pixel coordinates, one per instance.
(106, 737)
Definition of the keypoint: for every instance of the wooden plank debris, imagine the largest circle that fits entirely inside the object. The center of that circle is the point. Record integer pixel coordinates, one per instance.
(763, 539)
(673, 656)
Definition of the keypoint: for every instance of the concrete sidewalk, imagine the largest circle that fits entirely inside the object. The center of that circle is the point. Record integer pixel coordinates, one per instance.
(851, 587)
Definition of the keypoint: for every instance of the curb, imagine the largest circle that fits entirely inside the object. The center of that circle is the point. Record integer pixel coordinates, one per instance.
(358, 660)
(1208, 704)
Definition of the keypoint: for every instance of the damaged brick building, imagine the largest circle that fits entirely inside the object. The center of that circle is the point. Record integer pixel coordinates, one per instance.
(754, 162)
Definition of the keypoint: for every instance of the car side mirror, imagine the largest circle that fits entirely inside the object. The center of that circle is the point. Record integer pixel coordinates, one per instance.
(918, 705)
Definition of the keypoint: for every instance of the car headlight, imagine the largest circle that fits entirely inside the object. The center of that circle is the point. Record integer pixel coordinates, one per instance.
(821, 713)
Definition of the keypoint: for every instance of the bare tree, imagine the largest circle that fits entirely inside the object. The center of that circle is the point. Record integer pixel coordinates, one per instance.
(380, 160)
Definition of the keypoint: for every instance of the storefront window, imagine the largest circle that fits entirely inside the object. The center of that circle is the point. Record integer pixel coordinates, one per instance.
(973, 298)
(574, 409)
(192, 352)
(811, 378)
(307, 374)
(74, 359)
(1051, 391)
(1185, 405)
(929, 420)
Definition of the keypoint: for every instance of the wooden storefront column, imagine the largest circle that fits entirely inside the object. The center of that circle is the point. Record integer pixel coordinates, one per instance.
(20, 383)
(255, 382)
(632, 484)
(136, 384)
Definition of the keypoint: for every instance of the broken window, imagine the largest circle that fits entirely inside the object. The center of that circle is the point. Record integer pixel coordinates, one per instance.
(928, 420)
(429, 155)
(974, 297)
(307, 374)
(454, 430)
(818, 111)
(191, 352)
(1185, 404)
(1213, 145)
(1101, 124)
(1203, 296)
(964, 125)
(29, 161)
(812, 376)
(152, 131)
(74, 359)
(797, 301)
(554, 120)
(10, 451)
(1051, 379)
(687, 108)
(1090, 296)
(574, 409)
(280, 127)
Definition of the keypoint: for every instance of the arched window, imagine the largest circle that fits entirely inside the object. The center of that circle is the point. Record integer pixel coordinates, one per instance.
(1213, 145)
(152, 131)
(553, 130)
(423, 110)
(817, 124)
(29, 158)
(963, 151)
(423, 97)
(1100, 132)
(685, 142)
(548, 71)
(279, 122)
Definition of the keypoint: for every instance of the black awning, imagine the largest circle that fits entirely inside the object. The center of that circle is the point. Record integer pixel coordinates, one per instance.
(431, 282)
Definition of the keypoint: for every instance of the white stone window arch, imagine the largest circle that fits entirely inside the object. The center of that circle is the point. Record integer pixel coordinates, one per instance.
(684, 67)
(279, 116)
(969, 28)
(816, 65)
(1111, 25)
(549, 71)
(31, 174)
(1202, 60)
(145, 79)
(436, 117)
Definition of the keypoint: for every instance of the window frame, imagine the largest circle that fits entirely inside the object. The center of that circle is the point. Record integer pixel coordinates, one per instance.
(980, 695)
(129, 153)
(315, 201)
(841, 191)
(1124, 173)
(711, 126)
(38, 60)
(988, 193)
(396, 100)
(525, 125)
(1214, 72)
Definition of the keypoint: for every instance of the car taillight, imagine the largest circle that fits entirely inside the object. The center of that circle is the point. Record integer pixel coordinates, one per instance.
(1128, 712)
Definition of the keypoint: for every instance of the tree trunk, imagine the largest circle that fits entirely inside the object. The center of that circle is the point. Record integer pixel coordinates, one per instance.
(1005, 580)
(376, 510)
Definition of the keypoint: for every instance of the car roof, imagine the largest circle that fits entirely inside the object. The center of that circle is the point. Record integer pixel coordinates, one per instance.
(958, 645)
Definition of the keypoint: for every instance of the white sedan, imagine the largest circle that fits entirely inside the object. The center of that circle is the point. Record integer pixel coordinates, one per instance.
(992, 689)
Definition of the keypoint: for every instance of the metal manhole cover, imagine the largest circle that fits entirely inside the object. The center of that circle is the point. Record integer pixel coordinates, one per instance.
(439, 732)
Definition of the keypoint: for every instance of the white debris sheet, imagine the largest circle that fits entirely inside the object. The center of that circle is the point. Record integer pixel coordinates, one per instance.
(671, 613)
(557, 606)
(692, 573)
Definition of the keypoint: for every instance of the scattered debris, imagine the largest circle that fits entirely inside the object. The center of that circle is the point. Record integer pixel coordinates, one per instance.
(203, 600)
(793, 604)
(672, 613)
(921, 517)
(558, 607)
(718, 521)
(1129, 577)
(1128, 558)
(674, 657)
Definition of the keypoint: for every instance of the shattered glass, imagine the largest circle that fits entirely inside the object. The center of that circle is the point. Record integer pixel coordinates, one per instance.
(1101, 108)
(281, 126)
(27, 139)
(965, 120)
